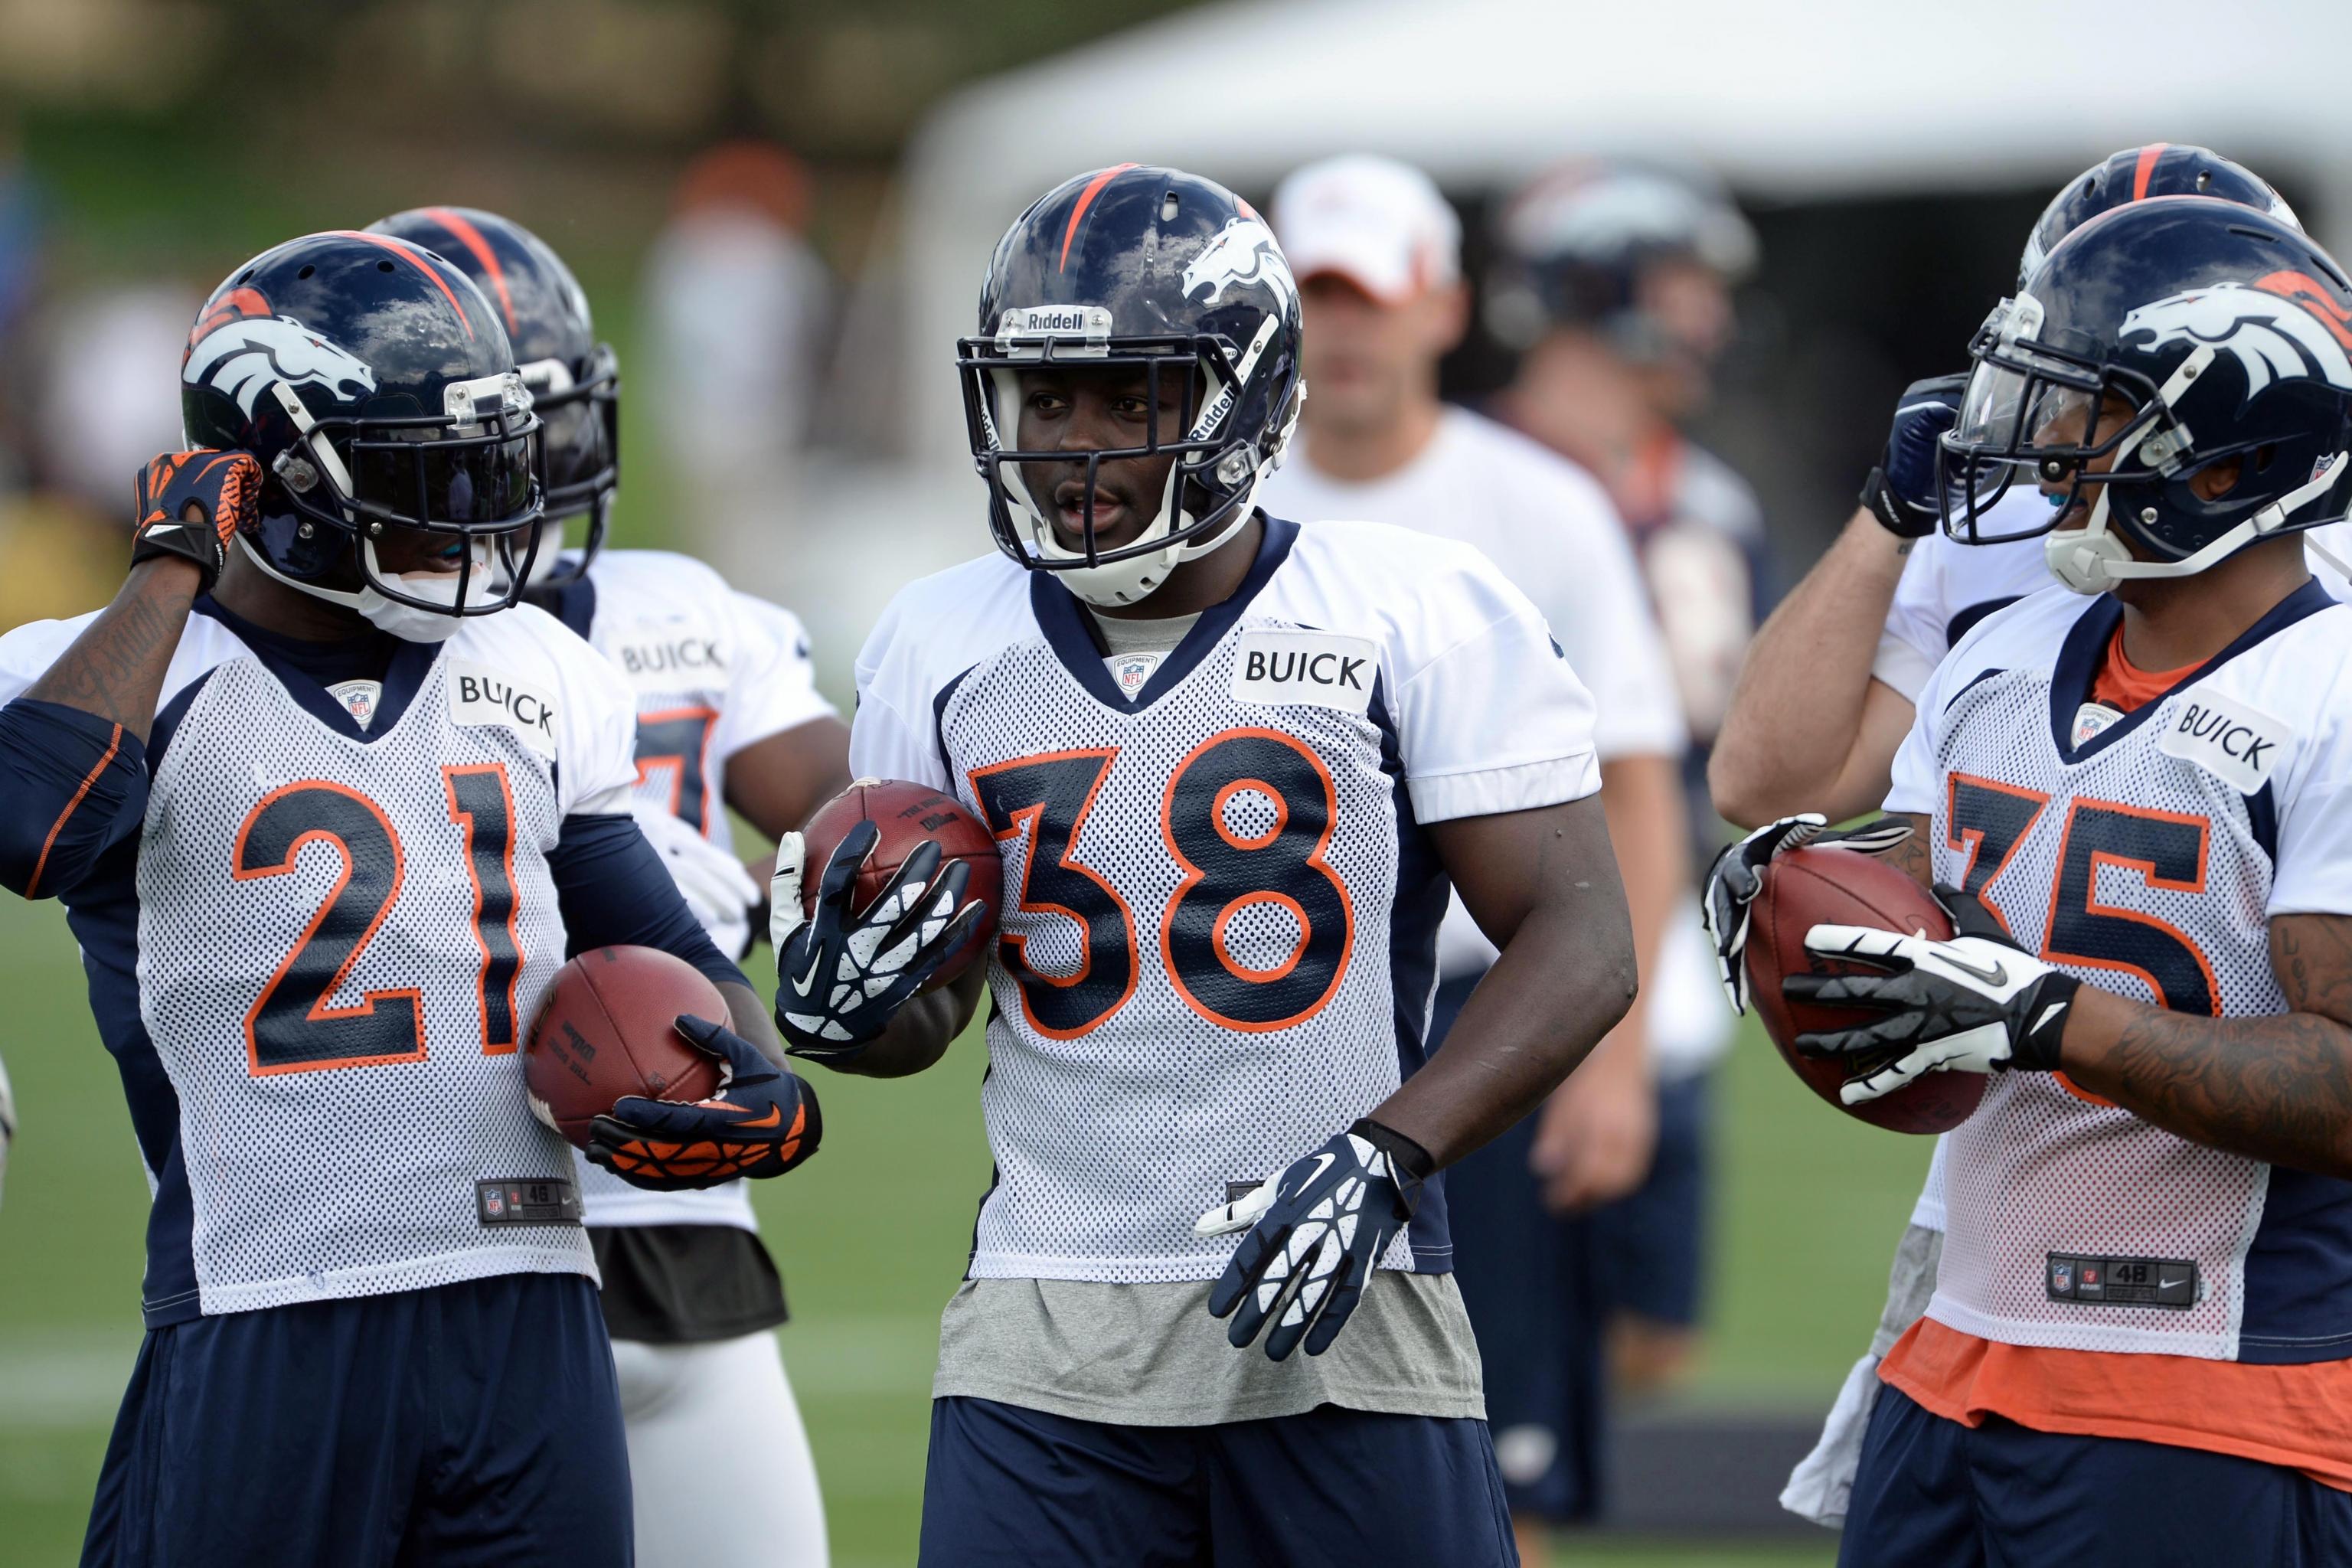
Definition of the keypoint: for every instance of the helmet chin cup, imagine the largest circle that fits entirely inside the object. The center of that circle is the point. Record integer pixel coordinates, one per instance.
(2081, 558)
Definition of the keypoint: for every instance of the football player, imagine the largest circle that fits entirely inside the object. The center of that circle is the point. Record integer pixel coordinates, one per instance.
(728, 714)
(327, 814)
(1817, 714)
(2134, 809)
(1222, 888)
(1377, 251)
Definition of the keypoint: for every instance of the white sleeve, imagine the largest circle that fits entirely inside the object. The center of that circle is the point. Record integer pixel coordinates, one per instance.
(597, 744)
(1916, 784)
(2313, 873)
(771, 684)
(893, 734)
(28, 651)
(1599, 609)
(1912, 641)
(1492, 717)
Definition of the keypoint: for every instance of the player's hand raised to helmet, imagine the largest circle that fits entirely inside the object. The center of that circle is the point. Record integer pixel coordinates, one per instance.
(1738, 875)
(763, 1121)
(1901, 490)
(1975, 1001)
(842, 971)
(190, 504)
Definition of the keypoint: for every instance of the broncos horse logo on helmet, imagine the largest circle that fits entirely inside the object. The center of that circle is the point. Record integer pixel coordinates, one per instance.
(242, 355)
(2269, 334)
(1244, 252)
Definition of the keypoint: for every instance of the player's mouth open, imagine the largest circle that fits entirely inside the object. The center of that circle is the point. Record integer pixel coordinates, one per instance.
(1070, 501)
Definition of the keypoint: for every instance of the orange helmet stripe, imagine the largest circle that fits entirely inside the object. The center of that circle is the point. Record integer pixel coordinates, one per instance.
(1086, 200)
(416, 258)
(2147, 169)
(471, 238)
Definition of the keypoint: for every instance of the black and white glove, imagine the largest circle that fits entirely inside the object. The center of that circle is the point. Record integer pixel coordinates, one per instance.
(763, 1121)
(1738, 875)
(1974, 1003)
(7, 1118)
(842, 972)
(1316, 1232)
(1901, 490)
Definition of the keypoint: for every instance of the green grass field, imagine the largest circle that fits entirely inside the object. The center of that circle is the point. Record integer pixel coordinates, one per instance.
(871, 1237)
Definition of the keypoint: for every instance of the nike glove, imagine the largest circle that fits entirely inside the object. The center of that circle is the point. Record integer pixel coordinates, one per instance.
(841, 974)
(763, 1121)
(1315, 1234)
(220, 487)
(1901, 490)
(1974, 1003)
(713, 883)
(1738, 875)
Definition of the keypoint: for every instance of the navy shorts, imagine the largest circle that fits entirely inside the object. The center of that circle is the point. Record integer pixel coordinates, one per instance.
(462, 1427)
(1542, 1288)
(1012, 1488)
(1935, 1494)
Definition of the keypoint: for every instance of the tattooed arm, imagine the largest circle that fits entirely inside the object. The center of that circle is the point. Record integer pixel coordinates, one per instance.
(115, 669)
(2276, 1089)
(1915, 857)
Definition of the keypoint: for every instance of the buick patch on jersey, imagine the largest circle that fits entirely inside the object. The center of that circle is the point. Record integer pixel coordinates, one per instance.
(480, 695)
(1318, 668)
(2236, 743)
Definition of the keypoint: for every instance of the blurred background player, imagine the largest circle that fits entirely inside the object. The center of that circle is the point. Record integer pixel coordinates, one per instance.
(1377, 252)
(1828, 692)
(728, 715)
(2141, 1306)
(327, 815)
(1232, 761)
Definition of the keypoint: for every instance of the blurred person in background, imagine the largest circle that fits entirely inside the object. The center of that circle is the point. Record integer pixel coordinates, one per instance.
(728, 715)
(1377, 251)
(736, 306)
(1829, 690)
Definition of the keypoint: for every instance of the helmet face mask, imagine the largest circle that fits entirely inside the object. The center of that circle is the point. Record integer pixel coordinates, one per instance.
(580, 448)
(1166, 279)
(2178, 380)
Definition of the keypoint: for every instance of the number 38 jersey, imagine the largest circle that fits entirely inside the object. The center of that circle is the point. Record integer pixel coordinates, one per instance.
(1220, 906)
(2147, 858)
(317, 958)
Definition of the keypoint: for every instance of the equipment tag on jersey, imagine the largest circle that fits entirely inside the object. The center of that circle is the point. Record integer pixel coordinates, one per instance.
(359, 699)
(2091, 718)
(1129, 671)
(2168, 1282)
(538, 1200)
(1318, 668)
(2237, 744)
(480, 695)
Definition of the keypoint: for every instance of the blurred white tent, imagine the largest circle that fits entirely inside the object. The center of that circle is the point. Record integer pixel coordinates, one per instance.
(1802, 100)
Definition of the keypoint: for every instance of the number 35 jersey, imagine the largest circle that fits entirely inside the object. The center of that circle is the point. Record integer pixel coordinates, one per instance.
(316, 959)
(1220, 905)
(2146, 857)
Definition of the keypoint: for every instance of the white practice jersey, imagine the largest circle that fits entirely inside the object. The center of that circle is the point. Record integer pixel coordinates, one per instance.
(2148, 861)
(712, 671)
(341, 934)
(1220, 907)
(1553, 531)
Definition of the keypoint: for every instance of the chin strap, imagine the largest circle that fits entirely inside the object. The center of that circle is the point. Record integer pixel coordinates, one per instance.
(2092, 558)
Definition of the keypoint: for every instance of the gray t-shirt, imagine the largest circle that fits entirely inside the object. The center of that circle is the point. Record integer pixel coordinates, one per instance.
(1150, 1355)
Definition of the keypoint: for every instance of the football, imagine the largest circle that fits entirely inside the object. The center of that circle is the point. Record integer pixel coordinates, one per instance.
(906, 815)
(607, 1031)
(1819, 886)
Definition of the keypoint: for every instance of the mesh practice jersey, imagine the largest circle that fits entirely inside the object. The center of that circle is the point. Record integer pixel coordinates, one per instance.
(2147, 860)
(315, 963)
(1218, 944)
(712, 671)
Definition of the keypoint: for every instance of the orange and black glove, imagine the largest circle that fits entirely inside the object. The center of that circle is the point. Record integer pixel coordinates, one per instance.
(190, 505)
(763, 1121)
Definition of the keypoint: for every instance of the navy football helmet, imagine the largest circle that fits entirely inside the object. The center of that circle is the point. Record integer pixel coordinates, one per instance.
(2161, 338)
(376, 388)
(2136, 173)
(1151, 268)
(573, 376)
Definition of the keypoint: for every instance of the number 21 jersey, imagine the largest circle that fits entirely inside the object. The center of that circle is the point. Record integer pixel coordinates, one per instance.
(1220, 904)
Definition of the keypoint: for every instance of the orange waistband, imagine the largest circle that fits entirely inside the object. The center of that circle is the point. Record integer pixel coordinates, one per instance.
(2297, 1417)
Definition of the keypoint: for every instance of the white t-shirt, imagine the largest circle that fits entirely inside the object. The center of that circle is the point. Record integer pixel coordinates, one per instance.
(1554, 532)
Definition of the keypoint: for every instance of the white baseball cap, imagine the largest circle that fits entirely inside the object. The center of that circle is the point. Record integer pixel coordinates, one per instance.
(1379, 224)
